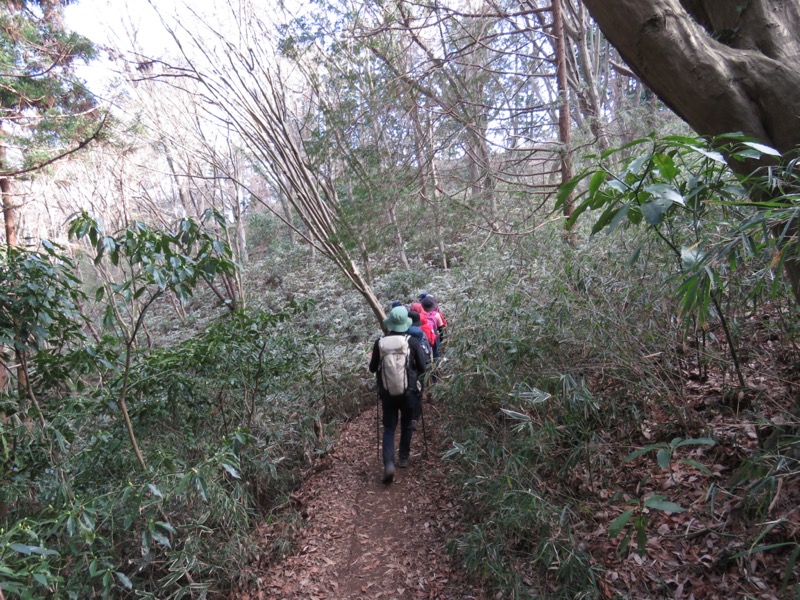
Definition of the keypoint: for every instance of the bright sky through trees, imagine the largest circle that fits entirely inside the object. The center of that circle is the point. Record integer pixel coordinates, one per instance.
(133, 26)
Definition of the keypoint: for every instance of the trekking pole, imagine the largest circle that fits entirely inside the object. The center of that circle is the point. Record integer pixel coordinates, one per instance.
(378, 425)
(424, 435)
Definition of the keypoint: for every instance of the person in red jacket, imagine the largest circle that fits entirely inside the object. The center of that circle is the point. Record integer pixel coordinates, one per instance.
(433, 314)
(426, 323)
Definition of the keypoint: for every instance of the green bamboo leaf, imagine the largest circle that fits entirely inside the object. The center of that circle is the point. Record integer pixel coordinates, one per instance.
(665, 191)
(123, 579)
(697, 465)
(665, 165)
(641, 451)
(665, 505)
(200, 485)
(160, 538)
(655, 210)
(635, 256)
(692, 258)
(762, 148)
(566, 189)
(21, 548)
(619, 218)
(579, 210)
(715, 156)
(637, 164)
(515, 415)
(789, 568)
(605, 218)
(595, 182)
(664, 457)
(609, 152)
(145, 542)
(764, 548)
(618, 524)
(622, 549)
(696, 442)
(641, 539)
(166, 526)
(231, 470)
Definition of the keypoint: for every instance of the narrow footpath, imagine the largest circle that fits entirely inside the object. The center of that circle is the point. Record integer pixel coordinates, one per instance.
(364, 539)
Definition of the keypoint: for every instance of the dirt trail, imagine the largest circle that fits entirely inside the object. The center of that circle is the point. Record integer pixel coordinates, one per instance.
(365, 539)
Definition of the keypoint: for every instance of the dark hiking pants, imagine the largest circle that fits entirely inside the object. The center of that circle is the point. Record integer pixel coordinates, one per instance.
(394, 406)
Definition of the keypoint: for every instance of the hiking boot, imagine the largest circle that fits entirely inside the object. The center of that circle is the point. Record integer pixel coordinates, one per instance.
(403, 462)
(414, 425)
(388, 473)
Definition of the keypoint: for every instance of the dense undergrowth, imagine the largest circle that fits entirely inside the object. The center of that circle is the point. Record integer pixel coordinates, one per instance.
(227, 409)
(552, 384)
(597, 420)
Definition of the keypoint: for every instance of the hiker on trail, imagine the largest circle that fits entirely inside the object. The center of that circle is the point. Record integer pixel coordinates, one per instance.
(399, 363)
(432, 311)
(426, 323)
(442, 322)
(417, 332)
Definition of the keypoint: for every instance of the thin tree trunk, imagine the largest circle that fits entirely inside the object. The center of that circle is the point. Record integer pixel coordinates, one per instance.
(287, 214)
(564, 135)
(427, 174)
(481, 176)
(391, 200)
(241, 230)
(9, 218)
(9, 214)
(391, 203)
(587, 76)
(362, 248)
(437, 214)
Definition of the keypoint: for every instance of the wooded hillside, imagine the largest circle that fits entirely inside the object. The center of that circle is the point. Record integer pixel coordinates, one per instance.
(198, 255)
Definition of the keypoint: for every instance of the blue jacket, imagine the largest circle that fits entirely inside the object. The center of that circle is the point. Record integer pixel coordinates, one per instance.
(416, 332)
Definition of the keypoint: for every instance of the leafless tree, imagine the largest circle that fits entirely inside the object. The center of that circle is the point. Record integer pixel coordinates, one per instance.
(245, 88)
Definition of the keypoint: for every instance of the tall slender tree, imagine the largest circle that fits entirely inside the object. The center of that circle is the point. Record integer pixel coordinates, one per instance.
(45, 110)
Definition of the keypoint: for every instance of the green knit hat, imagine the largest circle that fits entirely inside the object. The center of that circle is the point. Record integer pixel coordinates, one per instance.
(398, 320)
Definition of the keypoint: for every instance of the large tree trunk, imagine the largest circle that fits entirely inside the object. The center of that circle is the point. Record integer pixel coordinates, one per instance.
(722, 66)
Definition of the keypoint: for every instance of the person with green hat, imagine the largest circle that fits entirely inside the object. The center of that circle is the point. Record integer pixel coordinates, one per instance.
(398, 362)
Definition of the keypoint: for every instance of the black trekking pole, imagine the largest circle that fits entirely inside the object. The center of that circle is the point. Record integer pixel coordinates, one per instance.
(424, 435)
(378, 424)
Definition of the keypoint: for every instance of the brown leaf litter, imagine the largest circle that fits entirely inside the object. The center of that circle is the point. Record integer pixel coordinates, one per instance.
(363, 539)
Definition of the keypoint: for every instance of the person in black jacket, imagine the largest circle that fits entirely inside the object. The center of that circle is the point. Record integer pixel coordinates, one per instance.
(398, 323)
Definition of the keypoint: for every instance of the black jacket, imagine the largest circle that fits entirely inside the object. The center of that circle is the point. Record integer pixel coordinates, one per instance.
(416, 362)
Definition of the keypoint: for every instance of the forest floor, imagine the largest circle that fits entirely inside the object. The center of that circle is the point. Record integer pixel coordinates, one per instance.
(361, 538)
